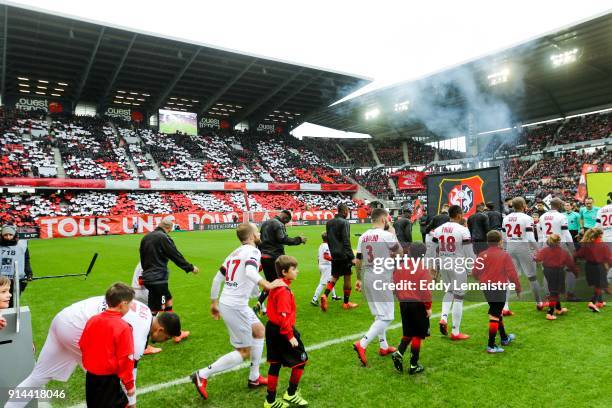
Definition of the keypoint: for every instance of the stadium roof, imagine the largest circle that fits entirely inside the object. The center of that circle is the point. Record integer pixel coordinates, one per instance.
(528, 86)
(93, 62)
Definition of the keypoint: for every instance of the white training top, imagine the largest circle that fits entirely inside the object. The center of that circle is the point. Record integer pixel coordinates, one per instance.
(553, 222)
(240, 272)
(324, 250)
(139, 317)
(452, 241)
(374, 244)
(518, 227)
(604, 221)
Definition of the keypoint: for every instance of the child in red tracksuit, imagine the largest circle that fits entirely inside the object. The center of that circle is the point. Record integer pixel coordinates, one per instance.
(598, 258)
(554, 259)
(415, 308)
(282, 339)
(107, 347)
(496, 268)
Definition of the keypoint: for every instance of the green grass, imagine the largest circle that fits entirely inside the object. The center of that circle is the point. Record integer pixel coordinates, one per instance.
(171, 128)
(563, 363)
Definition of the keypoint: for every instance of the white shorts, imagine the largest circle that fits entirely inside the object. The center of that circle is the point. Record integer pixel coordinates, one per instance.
(239, 323)
(325, 271)
(456, 280)
(60, 354)
(380, 302)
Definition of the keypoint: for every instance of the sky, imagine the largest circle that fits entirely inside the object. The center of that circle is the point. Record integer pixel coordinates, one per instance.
(386, 41)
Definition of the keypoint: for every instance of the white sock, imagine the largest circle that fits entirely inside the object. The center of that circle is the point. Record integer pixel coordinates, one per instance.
(224, 363)
(318, 291)
(378, 327)
(457, 313)
(507, 304)
(256, 352)
(570, 282)
(447, 302)
(382, 340)
(333, 292)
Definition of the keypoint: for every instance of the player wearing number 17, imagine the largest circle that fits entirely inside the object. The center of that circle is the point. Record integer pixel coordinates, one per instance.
(240, 277)
(517, 230)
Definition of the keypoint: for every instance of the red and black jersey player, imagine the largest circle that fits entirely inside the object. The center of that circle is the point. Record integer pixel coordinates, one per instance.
(415, 308)
(283, 342)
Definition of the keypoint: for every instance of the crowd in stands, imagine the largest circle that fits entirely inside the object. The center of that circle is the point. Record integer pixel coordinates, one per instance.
(24, 209)
(584, 128)
(557, 175)
(25, 148)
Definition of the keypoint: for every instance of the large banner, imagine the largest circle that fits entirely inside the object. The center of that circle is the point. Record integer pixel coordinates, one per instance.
(464, 188)
(599, 186)
(63, 227)
(582, 189)
(410, 180)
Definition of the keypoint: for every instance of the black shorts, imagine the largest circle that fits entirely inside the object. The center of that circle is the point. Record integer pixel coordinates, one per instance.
(555, 278)
(159, 295)
(415, 322)
(341, 268)
(280, 350)
(496, 300)
(269, 268)
(104, 391)
(596, 275)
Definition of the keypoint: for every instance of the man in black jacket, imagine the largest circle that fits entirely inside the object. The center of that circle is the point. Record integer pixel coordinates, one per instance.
(495, 217)
(12, 250)
(438, 220)
(403, 229)
(339, 241)
(273, 240)
(478, 224)
(156, 248)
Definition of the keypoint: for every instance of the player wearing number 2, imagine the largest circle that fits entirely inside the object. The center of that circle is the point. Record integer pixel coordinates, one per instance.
(240, 275)
(453, 244)
(517, 229)
(555, 222)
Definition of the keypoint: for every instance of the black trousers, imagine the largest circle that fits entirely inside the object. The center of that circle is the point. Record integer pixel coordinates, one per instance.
(104, 391)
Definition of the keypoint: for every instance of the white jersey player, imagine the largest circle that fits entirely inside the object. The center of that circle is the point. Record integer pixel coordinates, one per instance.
(517, 228)
(374, 273)
(61, 354)
(604, 221)
(554, 222)
(453, 245)
(239, 275)
(140, 292)
(324, 262)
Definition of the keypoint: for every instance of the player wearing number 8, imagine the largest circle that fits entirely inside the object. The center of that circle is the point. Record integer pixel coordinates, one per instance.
(517, 230)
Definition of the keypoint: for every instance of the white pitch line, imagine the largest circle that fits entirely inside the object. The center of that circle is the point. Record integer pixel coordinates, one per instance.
(318, 346)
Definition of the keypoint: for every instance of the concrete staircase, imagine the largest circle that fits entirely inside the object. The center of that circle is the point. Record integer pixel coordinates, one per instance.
(155, 166)
(57, 157)
(362, 193)
(374, 155)
(405, 150)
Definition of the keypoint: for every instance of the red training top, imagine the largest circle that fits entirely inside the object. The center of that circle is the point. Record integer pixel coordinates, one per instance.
(555, 257)
(413, 283)
(281, 309)
(108, 347)
(595, 252)
(496, 267)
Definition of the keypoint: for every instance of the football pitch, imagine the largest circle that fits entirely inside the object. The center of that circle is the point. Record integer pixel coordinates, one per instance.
(564, 363)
